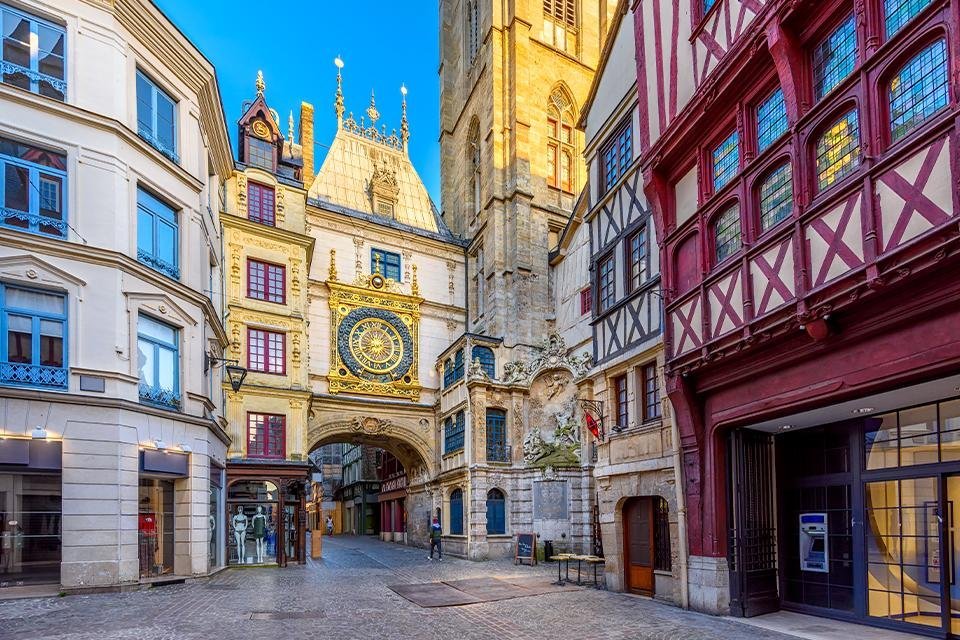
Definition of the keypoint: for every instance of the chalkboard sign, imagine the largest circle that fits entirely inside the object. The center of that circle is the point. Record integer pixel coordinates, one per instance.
(526, 548)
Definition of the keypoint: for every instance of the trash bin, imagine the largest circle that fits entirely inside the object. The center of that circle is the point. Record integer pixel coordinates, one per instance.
(547, 550)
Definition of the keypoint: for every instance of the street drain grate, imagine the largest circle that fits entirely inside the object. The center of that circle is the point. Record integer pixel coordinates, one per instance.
(286, 615)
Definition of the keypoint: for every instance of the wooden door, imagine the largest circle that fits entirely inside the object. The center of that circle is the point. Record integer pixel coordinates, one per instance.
(638, 545)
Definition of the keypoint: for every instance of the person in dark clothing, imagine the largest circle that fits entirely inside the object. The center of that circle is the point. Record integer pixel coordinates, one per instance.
(435, 534)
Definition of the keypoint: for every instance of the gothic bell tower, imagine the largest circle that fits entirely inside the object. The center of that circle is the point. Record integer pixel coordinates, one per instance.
(511, 89)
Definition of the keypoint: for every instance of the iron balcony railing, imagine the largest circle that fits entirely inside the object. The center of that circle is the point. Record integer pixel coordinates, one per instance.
(499, 453)
(159, 396)
(33, 375)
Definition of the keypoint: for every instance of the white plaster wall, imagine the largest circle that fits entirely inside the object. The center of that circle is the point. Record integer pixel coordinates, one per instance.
(618, 77)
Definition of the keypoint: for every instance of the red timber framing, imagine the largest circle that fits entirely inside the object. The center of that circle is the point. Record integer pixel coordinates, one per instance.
(857, 290)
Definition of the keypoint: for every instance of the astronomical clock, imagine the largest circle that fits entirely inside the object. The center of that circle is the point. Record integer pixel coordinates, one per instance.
(375, 334)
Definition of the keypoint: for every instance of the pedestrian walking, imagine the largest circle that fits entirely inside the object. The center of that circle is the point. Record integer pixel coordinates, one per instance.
(435, 534)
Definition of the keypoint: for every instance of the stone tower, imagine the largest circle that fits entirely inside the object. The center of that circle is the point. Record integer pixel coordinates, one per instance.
(511, 88)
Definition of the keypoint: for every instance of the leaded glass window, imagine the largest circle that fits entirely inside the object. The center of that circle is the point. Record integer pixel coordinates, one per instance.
(899, 12)
(726, 233)
(919, 90)
(726, 161)
(771, 119)
(776, 197)
(838, 150)
(835, 58)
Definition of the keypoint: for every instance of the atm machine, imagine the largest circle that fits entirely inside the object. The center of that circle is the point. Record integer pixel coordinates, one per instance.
(814, 552)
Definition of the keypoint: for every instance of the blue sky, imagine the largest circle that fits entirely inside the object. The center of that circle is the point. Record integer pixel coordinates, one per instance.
(294, 43)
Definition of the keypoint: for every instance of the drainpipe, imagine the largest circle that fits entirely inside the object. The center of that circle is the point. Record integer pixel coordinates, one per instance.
(681, 512)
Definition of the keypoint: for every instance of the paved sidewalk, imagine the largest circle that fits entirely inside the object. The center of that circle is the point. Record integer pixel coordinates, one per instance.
(345, 596)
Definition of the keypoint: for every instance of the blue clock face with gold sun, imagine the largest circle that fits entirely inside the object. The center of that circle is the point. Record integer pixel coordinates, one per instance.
(375, 345)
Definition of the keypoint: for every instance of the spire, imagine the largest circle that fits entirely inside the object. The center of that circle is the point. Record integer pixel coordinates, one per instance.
(290, 127)
(261, 85)
(372, 112)
(338, 103)
(404, 127)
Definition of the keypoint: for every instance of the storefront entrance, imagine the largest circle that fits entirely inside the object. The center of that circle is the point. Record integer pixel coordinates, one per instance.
(866, 519)
(638, 545)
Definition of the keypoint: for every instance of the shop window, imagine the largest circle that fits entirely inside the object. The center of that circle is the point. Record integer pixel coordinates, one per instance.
(158, 350)
(158, 232)
(726, 234)
(899, 12)
(771, 119)
(156, 117)
(586, 301)
(261, 204)
(260, 153)
(487, 359)
(34, 55)
(726, 161)
(662, 557)
(215, 539)
(456, 512)
(616, 156)
(919, 90)
(838, 150)
(386, 263)
(266, 281)
(266, 351)
(32, 351)
(606, 283)
(32, 192)
(496, 513)
(266, 436)
(252, 522)
(453, 428)
(921, 435)
(156, 527)
(620, 403)
(776, 197)
(651, 392)
(835, 58)
(636, 259)
(30, 529)
(497, 450)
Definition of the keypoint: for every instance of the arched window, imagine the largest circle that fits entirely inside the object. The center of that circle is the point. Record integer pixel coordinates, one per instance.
(560, 150)
(776, 197)
(496, 513)
(838, 150)
(487, 359)
(456, 512)
(473, 150)
(898, 13)
(726, 233)
(919, 90)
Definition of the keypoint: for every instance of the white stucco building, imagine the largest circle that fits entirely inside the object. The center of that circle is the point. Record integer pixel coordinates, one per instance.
(113, 146)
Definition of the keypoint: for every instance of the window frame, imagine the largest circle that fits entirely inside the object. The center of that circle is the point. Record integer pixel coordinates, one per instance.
(617, 147)
(827, 121)
(826, 32)
(151, 257)
(385, 264)
(269, 361)
(896, 66)
(713, 227)
(586, 301)
(260, 217)
(40, 373)
(454, 427)
(35, 172)
(497, 502)
(496, 424)
(643, 274)
(151, 136)
(488, 362)
(267, 266)
(768, 172)
(33, 73)
(456, 524)
(250, 138)
(604, 305)
(621, 401)
(267, 452)
(158, 395)
(649, 407)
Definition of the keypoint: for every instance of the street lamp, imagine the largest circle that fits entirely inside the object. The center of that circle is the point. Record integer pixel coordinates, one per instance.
(235, 373)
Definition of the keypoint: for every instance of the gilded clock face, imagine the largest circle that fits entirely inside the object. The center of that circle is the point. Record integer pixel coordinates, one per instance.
(375, 344)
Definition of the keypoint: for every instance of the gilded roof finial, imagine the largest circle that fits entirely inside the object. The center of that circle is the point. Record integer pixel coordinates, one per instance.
(261, 85)
(338, 103)
(414, 285)
(372, 112)
(404, 127)
(290, 127)
(332, 274)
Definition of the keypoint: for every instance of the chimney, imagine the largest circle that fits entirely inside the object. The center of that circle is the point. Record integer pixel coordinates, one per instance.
(306, 142)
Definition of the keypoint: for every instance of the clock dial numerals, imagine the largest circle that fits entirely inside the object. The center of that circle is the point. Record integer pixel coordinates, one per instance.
(376, 345)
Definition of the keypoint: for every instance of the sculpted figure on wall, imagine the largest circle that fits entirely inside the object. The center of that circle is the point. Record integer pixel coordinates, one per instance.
(553, 435)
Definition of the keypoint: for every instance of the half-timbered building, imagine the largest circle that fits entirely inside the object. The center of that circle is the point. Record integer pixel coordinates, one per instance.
(801, 162)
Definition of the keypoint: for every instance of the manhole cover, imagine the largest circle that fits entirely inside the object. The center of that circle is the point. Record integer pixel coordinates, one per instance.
(286, 615)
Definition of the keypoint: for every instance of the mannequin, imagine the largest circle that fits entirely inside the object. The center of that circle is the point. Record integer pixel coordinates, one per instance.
(240, 523)
(259, 531)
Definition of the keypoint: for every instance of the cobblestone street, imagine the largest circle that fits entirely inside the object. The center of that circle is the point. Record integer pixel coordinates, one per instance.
(345, 595)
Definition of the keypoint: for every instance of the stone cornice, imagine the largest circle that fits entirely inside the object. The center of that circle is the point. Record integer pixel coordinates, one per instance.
(35, 244)
(274, 233)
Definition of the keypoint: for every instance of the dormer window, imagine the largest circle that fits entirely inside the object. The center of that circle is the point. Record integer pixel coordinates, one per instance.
(260, 153)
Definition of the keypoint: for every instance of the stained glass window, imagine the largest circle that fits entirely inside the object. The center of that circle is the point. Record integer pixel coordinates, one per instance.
(771, 119)
(838, 150)
(835, 58)
(919, 90)
(726, 161)
(900, 12)
(726, 232)
(776, 197)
